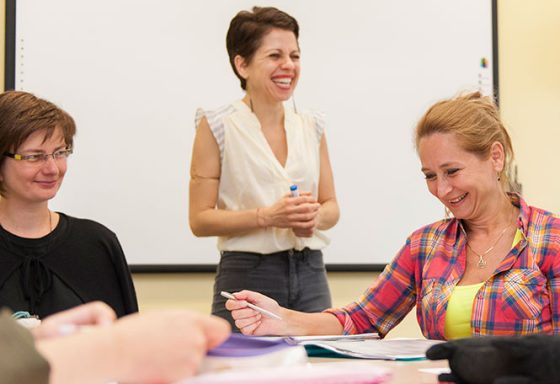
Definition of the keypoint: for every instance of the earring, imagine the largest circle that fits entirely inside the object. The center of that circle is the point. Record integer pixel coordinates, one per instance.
(499, 177)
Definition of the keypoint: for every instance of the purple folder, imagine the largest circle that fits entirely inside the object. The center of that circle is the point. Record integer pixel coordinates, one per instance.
(238, 345)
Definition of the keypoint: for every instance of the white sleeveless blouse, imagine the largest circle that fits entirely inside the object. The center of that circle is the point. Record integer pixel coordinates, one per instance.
(252, 177)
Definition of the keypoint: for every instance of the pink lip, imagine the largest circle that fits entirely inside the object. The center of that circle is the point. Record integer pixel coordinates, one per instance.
(47, 184)
(283, 77)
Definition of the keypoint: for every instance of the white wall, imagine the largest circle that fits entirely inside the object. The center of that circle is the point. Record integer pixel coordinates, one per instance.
(530, 94)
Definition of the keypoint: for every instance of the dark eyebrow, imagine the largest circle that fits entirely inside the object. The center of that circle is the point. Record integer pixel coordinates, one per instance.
(279, 50)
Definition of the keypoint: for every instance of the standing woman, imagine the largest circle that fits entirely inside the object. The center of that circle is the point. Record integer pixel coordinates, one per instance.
(246, 156)
(49, 261)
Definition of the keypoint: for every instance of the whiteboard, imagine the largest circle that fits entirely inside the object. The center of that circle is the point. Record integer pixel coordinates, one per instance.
(133, 72)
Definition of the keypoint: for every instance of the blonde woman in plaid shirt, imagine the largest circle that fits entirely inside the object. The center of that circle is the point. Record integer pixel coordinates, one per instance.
(491, 269)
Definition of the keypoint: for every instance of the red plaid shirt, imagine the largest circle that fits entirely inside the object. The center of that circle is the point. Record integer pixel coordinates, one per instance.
(521, 297)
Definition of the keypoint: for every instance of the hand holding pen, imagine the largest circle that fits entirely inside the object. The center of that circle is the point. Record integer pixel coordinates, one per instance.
(252, 314)
(230, 296)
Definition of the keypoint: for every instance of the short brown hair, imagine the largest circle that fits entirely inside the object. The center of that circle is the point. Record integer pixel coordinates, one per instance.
(247, 29)
(22, 113)
(475, 121)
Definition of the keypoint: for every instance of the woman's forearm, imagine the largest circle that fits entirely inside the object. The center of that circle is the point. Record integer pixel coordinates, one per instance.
(308, 324)
(328, 214)
(220, 222)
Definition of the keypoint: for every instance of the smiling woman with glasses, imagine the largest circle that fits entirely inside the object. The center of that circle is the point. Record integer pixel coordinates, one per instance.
(49, 261)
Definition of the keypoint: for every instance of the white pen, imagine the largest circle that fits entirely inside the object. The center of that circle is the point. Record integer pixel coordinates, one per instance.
(252, 306)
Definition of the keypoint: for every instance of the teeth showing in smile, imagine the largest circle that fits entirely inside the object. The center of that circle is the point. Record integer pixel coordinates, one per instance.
(284, 81)
(455, 201)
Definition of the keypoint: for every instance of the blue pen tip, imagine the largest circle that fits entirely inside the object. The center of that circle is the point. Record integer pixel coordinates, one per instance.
(293, 187)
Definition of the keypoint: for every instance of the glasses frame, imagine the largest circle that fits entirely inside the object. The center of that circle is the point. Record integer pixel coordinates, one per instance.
(38, 158)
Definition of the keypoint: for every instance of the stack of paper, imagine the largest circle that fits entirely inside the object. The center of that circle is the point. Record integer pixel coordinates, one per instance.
(275, 360)
(365, 346)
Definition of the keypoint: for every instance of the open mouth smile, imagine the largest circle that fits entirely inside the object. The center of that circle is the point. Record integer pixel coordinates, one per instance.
(458, 199)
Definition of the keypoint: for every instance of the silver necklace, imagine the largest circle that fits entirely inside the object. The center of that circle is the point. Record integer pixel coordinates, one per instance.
(481, 262)
(50, 222)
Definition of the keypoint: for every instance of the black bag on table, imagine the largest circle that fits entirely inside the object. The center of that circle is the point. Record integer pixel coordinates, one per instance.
(533, 359)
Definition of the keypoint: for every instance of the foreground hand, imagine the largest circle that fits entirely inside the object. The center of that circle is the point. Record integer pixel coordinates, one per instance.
(161, 347)
(153, 347)
(94, 313)
(251, 322)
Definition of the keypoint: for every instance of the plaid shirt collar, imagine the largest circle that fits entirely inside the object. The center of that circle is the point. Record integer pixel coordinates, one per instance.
(455, 227)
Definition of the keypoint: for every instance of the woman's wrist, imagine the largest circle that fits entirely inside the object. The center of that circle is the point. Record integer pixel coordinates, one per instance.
(261, 218)
(294, 324)
(328, 215)
(311, 324)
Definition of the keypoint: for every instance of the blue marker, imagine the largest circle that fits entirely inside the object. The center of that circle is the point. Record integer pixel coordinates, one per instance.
(294, 191)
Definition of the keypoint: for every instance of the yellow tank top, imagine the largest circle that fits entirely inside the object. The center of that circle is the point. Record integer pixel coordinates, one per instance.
(459, 308)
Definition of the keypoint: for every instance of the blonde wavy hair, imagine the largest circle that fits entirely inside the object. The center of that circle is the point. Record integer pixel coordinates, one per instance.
(475, 121)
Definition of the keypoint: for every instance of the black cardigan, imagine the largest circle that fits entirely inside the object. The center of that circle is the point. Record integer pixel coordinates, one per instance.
(78, 262)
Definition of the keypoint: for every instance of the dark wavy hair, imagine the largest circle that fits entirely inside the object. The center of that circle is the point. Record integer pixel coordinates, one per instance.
(247, 29)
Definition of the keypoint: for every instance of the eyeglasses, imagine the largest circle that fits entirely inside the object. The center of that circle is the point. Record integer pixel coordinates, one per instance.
(41, 157)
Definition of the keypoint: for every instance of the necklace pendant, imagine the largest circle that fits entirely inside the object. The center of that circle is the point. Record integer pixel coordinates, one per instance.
(481, 263)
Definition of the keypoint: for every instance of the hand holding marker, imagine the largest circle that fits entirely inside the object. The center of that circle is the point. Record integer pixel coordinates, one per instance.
(295, 193)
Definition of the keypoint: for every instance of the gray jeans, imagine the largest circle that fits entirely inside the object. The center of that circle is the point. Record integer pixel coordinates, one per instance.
(295, 279)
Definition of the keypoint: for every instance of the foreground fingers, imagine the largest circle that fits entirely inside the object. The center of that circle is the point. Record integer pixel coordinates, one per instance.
(216, 331)
(94, 313)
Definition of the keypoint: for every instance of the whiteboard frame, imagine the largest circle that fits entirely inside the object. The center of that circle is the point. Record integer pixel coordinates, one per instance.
(10, 78)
